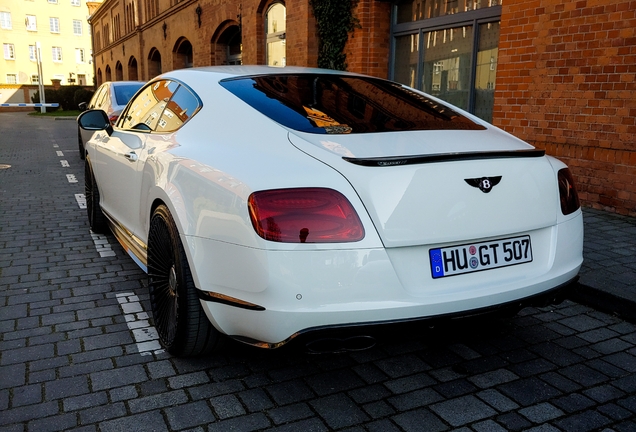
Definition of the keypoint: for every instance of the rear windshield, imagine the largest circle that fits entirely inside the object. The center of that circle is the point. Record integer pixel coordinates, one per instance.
(337, 104)
(123, 93)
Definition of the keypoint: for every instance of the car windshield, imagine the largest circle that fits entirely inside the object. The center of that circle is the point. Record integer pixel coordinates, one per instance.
(124, 92)
(341, 104)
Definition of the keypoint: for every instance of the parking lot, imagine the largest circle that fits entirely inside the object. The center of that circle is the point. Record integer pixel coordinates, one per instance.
(78, 350)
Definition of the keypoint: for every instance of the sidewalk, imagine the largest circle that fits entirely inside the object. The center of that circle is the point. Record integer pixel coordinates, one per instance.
(608, 275)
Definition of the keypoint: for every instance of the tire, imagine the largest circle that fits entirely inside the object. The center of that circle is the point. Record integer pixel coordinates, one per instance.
(82, 152)
(184, 329)
(96, 218)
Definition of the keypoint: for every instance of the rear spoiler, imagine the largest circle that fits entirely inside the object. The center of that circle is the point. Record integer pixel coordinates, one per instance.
(444, 157)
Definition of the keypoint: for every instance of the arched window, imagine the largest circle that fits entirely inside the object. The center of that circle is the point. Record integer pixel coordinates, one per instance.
(226, 45)
(275, 28)
(100, 79)
(132, 69)
(154, 63)
(119, 72)
(182, 54)
(109, 76)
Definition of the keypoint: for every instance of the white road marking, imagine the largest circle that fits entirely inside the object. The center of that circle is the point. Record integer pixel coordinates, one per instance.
(64, 163)
(145, 335)
(81, 200)
(71, 178)
(59, 153)
(101, 244)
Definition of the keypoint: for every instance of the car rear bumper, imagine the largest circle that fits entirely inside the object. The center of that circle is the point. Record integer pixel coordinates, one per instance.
(267, 298)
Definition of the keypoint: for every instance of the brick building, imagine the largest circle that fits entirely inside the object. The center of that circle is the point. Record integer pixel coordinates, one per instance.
(560, 75)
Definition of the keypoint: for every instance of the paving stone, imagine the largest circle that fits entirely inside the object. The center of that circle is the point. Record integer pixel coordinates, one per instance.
(382, 426)
(85, 401)
(494, 378)
(541, 413)
(62, 422)
(189, 415)
(310, 425)
(23, 355)
(334, 382)
(227, 406)
(583, 422)
(498, 401)
(146, 422)
(255, 400)
(66, 387)
(289, 392)
(418, 398)
(26, 395)
(410, 383)
(615, 412)
(290, 413)
(12, 376)
(513, 421)
(29, 412)
(488, 426)
(529, 391)
(118, 377)
(160, 369)
(419, 420)
(102, 413)
(339, 411)
(123, 393)
(402, 366)
(378, 409)
(162, 400)
(186, 380)
(462, 411)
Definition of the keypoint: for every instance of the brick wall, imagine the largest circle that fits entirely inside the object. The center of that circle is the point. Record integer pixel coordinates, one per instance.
(367, 49)
(566, 82)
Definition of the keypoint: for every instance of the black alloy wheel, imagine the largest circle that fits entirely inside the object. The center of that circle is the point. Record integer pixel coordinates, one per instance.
(183, 328)
(96, 218)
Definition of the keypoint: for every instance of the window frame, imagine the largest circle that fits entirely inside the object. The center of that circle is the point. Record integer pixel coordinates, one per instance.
(76, 2)
(9, 51)
(80, 28)
(57, 59)
(275, 36)
(31, 23)
(6, 22)
(56, 21)
(15, 78)
(473, 18)
(33, 53)
(80, 56)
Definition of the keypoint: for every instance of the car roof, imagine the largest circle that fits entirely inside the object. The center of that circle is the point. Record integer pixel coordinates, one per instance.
(219, 73)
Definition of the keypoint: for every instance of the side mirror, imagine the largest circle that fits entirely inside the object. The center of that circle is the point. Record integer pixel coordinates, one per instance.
(95, 120)
(82, 106)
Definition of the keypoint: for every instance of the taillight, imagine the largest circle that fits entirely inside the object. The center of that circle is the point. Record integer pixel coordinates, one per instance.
(567, 192)
(113, 119)
(304, 215)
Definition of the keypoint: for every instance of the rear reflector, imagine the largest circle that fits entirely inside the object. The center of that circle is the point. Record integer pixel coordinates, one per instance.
(567, 192)
(304, 215)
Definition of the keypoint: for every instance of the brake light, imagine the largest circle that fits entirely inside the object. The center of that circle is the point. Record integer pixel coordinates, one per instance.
(567, 192)
(113, 119)
(304, 215)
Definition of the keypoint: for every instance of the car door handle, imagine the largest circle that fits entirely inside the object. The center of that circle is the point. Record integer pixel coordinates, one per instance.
(132, 156)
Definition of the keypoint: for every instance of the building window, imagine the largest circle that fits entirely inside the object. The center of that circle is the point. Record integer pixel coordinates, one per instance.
(57, 54)
(31, 23)
(35, 79)
(33, 54)
(5, 20)
(77, 27)
(80, 57)
(53, 1)
(54, 25)
(76, 3)
(9, 51)
(275, 24)
(12, 79)
(81, 79)
(449, 50)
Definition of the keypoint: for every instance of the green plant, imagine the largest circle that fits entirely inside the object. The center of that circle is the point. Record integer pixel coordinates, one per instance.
(50, 96)
(67, 96)
(335, 20)
(82, 95)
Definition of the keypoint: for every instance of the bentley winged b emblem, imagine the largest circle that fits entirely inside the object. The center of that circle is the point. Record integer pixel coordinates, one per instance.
(485, 184)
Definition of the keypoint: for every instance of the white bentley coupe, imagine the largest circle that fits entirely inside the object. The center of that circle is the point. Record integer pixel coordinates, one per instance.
(267, 203)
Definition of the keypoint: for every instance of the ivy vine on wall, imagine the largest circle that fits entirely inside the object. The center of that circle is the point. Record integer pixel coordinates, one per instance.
(335, 20)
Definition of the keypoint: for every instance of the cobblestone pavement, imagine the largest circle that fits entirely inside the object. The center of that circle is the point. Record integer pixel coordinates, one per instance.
(77, 351)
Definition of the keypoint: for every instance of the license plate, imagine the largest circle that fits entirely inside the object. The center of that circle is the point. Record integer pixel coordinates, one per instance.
(474, 257)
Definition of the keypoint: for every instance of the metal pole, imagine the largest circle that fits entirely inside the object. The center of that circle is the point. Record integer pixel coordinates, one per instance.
(40, 77)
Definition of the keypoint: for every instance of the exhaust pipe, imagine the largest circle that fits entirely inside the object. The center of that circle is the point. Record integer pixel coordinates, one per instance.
(340, 345)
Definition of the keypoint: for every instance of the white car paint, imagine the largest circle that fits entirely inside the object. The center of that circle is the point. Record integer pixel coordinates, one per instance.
(205, 172)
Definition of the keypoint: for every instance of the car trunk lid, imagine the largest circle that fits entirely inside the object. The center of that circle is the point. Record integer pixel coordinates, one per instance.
(432, 187)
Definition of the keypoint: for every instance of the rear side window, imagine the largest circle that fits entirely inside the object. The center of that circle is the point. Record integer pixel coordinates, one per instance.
(340, 104)
(124, 92)
(162, 106)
